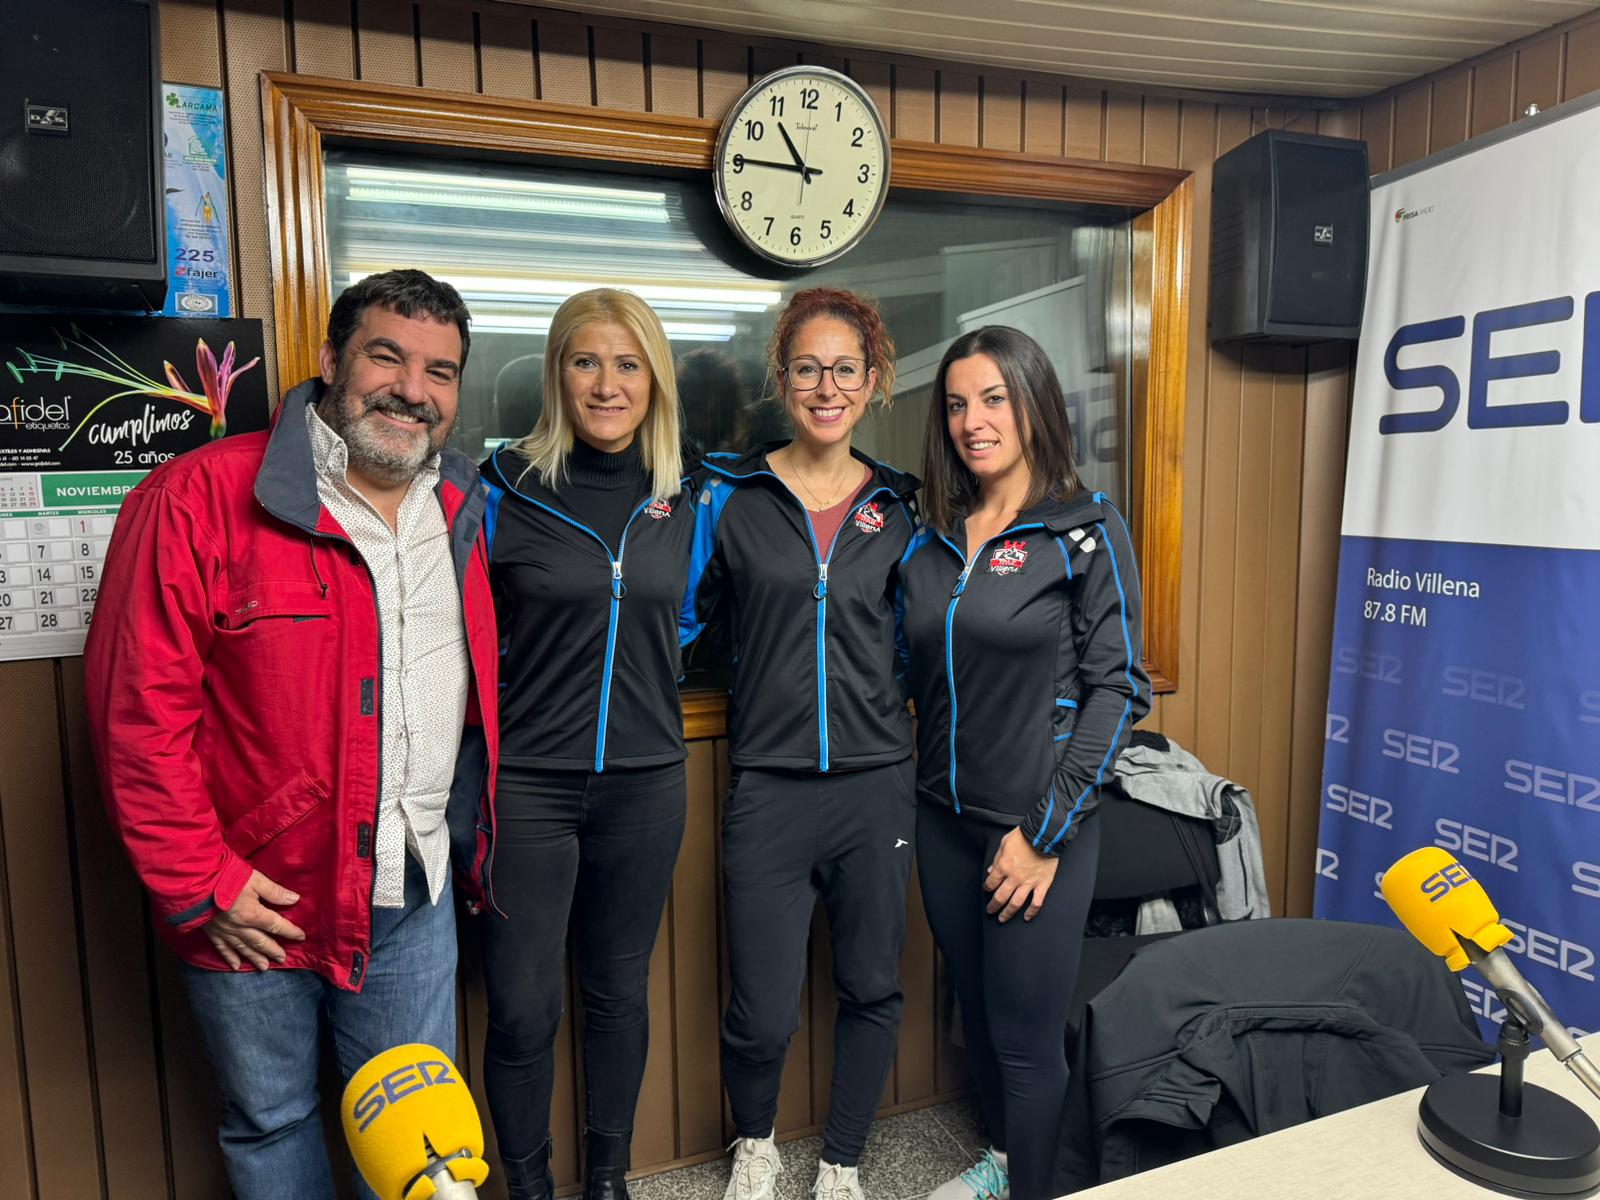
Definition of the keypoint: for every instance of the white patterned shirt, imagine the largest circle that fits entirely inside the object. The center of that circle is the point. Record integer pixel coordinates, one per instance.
(423, 703)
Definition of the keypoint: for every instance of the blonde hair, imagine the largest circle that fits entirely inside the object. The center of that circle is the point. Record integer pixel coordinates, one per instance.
(548, 446)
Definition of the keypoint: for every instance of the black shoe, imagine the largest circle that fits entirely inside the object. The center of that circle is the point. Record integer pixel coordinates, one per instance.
(607, 1157)
(529, 1178)
(605, 1183)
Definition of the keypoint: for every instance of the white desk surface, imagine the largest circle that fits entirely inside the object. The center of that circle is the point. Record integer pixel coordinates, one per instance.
(1366, 1153)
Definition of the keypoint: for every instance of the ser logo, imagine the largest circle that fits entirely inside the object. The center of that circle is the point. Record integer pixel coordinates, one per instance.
(1586, 877)
(1328, 864)
(1589, 704)
(1359, 806)
(399, 1083)
(1486, 687)
(1552, 784)
(1421, 751)
(1367, 664)
(1441, 883)
(1482, 1000)
(1338, 729)
(1481, 844)
(1485, 367)
(1550, 950)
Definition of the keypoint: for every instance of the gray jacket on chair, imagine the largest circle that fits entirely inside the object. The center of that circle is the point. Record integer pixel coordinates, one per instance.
(1176, 781)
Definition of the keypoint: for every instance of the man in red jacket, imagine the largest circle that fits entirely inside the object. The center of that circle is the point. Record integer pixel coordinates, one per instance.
(291, 690)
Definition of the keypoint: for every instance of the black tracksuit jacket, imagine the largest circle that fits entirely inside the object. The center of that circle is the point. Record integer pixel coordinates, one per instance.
(813, 627)
(588, 632)
(1025, 665)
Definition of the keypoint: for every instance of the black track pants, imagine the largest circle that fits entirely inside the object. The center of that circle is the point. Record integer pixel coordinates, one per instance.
(786, 839)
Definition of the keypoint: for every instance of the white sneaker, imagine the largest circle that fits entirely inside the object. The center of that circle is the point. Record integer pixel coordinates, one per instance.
(755, 1169)
(986, 1179)
(837, 1183)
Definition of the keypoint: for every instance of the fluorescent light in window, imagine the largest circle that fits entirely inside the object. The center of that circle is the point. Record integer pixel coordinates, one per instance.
(698, 331)
(377, 234)
(678, 331)
(527, 187)
(631, 209)
(492, 287)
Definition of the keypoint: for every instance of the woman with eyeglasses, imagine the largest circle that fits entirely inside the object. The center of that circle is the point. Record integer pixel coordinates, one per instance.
(797, 549)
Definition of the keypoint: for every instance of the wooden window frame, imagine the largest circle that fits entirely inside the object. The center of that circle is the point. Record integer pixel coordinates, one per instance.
(300, 113)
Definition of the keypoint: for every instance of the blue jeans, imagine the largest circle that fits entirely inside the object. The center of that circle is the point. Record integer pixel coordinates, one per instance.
(262, 1033)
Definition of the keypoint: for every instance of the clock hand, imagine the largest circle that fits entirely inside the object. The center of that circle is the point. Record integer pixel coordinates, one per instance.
(778, 166)
(805, 175)
(793, 150)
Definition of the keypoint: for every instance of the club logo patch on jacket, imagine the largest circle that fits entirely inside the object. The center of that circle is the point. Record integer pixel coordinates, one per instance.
(869, 519)
(1008, 559)
(658, 510)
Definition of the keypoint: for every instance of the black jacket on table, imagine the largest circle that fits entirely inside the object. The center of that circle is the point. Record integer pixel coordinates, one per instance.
(588, 631)
(1237, 1031)
(1025, 665)
(813, 627)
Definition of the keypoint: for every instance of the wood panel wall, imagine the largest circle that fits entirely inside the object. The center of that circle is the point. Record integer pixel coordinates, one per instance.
(1441, 110)
(103, 1091)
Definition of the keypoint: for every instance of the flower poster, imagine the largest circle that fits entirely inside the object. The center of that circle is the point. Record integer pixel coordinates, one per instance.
(88, 407)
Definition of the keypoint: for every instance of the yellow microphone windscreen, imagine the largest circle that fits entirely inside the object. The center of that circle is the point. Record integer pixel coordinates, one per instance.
(1439, 901)
(404, 1108)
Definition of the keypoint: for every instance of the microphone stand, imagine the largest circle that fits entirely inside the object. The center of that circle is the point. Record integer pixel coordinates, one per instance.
(445, 1185)
(1509, 1135)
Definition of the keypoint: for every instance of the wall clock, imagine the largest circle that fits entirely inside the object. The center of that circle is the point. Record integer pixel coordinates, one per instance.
(802, 166)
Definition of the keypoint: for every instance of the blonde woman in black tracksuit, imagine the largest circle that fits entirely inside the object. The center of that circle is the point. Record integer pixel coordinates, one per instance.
(589, 528)
(798, 548)
(1022, 619)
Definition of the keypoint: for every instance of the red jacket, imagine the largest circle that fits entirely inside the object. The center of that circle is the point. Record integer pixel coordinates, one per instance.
(233, 675)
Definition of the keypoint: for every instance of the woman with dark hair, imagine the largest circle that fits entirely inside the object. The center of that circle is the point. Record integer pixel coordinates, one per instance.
(799, 544)
(1022, 620)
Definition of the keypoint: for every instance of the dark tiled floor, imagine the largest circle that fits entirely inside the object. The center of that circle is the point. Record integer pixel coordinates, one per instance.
(907, 1156)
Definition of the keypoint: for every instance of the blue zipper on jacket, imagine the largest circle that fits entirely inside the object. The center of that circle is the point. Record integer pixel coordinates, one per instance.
(819, 592)
(949, 640)
(618, 591)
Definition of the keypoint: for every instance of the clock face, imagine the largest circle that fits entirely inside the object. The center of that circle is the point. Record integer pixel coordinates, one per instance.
(802, 166)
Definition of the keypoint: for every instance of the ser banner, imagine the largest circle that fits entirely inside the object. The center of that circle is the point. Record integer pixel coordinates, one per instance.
(1464, 706)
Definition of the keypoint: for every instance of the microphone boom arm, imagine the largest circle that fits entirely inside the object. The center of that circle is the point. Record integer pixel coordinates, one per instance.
(1529, 1007)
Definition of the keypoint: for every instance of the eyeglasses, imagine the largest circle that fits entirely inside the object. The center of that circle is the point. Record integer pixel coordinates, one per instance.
(805, 374)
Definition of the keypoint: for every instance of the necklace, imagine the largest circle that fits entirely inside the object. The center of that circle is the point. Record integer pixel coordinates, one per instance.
(835, 493)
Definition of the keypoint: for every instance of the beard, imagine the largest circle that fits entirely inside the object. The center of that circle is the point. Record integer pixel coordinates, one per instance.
(377, 449)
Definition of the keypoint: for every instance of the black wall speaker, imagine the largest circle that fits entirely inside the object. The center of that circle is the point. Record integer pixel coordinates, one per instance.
(1289, 239)
(82, 211)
